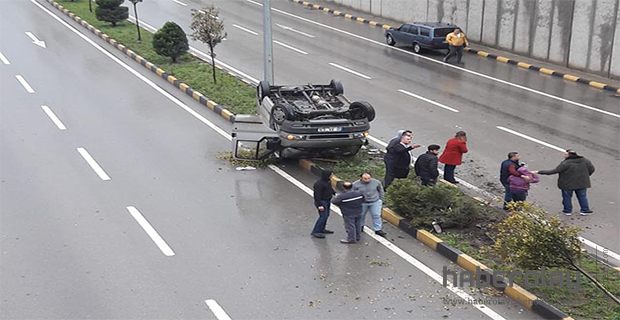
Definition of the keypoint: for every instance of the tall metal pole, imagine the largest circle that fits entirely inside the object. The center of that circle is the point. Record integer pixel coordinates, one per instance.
(267, 44)
(135, 11)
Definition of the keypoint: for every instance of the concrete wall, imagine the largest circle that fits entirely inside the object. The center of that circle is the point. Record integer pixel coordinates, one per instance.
(581, 34)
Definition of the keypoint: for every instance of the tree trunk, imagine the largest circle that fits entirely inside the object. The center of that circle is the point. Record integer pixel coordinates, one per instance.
(598, 284)
(212, 61)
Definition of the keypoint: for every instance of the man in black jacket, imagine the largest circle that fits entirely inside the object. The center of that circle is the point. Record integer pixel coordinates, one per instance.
(426, 166)
(350, 203)
(323, 193)
(399, 158)
(574, 175)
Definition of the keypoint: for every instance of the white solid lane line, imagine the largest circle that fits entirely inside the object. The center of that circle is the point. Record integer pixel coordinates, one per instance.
(4, 59)
(350, 71)
(531, 139)
(24, 83)
(93, 164)
(581, 105)
(181, 3)
(384, 144)
(427, 100)
(245, 29)
(218, 311)
(483, 308)
(294, 30)
(53, 117)
(603, 250)
(159, 241)
(289, 47)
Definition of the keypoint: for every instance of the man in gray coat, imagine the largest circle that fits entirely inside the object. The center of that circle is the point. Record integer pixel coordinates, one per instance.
(350, 203)
(373, 193)
(574, 175)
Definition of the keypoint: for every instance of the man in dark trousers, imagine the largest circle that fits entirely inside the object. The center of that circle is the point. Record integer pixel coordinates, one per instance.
(388, 158)
(323, 193)
(574, 175)
(426, 166)
(509, 168)
(400, 158)
(350, 203)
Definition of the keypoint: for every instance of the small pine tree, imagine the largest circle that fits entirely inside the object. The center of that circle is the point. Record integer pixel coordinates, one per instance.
(111, 11)
(170, 41)
(209, 29)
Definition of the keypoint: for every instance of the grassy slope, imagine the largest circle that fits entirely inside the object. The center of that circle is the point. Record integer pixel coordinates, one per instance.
(235, 95)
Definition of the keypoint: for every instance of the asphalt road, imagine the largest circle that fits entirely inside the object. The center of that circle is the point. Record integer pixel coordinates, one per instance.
(113, 204)
(493, 107)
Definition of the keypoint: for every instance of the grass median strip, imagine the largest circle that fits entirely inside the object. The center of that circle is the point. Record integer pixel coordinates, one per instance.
(235, 95)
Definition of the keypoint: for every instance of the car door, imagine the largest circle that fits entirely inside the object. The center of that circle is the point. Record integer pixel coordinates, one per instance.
(413, 34)
(424, 38)
(402, 33)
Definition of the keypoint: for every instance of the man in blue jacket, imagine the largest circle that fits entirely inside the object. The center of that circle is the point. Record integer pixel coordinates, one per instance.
(350, 203)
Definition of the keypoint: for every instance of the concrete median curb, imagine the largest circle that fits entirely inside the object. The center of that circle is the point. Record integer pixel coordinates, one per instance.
(480, 53)
(515, 292)
(201, 98)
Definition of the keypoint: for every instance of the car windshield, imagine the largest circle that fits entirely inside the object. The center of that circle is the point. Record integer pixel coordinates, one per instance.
(442, 32)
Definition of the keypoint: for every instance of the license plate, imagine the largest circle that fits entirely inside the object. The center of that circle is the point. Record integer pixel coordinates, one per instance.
(330, 129)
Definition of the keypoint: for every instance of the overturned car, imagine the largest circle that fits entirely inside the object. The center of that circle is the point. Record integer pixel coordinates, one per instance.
(309, 120)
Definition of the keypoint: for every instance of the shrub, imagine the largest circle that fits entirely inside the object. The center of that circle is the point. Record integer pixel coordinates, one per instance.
(111, 11)
(170, 41)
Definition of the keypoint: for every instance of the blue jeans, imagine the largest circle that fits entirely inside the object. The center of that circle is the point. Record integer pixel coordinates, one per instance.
(567, 197)
(375, 213)
(448, 172)
(321, 222)
(507, 194)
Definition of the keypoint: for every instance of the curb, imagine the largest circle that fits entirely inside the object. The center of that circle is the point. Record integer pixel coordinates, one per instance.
(201, 98)
(480, 53)
(515, 292)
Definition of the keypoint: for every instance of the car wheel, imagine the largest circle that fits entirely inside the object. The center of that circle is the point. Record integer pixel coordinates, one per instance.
(337, 86)
(262, 90)
(279, 114)
(417, 48)
(390, 40)
(362, 109)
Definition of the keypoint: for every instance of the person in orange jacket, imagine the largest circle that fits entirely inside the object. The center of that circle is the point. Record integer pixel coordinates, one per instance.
(456, 42)
(452, 155)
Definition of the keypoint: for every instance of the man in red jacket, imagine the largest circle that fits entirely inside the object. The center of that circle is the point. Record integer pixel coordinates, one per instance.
(452, 155)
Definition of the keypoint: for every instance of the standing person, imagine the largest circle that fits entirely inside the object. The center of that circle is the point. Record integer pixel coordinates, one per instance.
(426, 166)
(350, 203)
(323, 193)
(452, 155)
(373, 193)
(456, 42)
(388, 157)
(520, 184)
(574, 175)
(509, 168)
(400, 158)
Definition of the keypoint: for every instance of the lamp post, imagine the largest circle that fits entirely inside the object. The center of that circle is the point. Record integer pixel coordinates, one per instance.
(267, 45)
(90, 6)
(135, 11)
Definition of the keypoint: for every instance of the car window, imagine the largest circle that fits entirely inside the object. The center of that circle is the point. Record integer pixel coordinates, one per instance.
(405, 28)
(425, 31)
(413, 30)
(442, 32)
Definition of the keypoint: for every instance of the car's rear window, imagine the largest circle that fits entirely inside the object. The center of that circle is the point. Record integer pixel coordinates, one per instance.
(442, 32)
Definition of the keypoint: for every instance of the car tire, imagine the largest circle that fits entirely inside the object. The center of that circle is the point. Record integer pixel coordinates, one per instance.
(362, 109)
(262, 90)
(279, 114)
(417, 48)
(337, 86)
(390, 40)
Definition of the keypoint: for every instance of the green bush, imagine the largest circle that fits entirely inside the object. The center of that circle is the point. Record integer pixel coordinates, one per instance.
(442, 203)
(170, 41)
(111, 11)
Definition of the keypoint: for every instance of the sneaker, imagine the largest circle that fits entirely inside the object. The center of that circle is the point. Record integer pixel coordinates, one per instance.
(445, 59)
(381, 233)
(453, 182)
(567, 213)
(586, 213)
(318, 235)
(327, 231)
(346, 241)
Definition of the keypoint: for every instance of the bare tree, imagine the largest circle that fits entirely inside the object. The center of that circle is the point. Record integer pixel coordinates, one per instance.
(209, 29)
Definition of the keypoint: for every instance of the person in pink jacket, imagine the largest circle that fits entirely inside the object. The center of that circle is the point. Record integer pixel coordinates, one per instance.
(519, 185)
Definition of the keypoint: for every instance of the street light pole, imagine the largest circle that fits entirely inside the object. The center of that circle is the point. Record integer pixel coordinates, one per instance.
(267, 44)
(135, 11)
